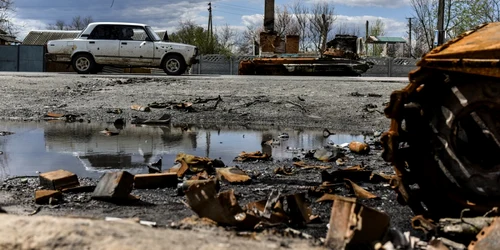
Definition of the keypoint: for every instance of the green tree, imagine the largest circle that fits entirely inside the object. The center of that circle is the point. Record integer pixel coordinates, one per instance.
(190, 33)
(377, 29)
(223, 41)
(471, 13)
(460, 16)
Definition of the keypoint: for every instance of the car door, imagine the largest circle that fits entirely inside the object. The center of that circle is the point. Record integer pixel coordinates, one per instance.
(104, 44)
(135, 46)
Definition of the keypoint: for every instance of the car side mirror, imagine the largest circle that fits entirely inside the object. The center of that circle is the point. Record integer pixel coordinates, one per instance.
(148, 39)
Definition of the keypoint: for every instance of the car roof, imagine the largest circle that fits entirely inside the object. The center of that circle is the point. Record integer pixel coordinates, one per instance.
(117, 23)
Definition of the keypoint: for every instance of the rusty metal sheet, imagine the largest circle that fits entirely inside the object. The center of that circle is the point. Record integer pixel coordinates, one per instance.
(359, 191)
(204, 201)
(480, 43)
(233, 175)
(244, 156)
(474, 52)
(354, 224)
(488, 238)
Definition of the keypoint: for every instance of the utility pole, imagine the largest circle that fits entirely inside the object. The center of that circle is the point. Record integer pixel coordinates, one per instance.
(210, 28)
(409, 34)
(440, 23)
(366, 36)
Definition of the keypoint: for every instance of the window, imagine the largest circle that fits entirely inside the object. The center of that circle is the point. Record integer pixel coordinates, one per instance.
(153, 34)
(103, 32)
(132, 33)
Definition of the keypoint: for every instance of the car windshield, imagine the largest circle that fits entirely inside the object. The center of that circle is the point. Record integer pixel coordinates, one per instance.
(153, 34)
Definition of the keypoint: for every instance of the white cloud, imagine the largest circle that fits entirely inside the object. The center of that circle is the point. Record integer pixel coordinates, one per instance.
(255, 20)
(158, 16)
(365, 3)
(392, 27)
(24, 26)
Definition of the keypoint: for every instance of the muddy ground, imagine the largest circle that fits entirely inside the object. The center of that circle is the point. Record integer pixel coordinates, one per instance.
(350, 104)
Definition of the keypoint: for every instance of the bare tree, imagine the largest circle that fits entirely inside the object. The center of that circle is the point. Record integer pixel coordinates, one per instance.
(6, 11)
(87, 20)
(247, 39)
(60, 25)
(460, 16)
(77, 23)
(226, 37)
(321, 23)
(348, 29)
(301, 12)
(423, 28)
(285, 24)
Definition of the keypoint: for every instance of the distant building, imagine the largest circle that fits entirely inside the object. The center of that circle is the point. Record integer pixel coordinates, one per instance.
(6, 39)
(41, 37)
(387, 43)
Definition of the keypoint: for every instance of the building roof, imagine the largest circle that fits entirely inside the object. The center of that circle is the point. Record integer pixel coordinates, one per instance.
(2, 32)
(385, 39)
(9, 39)
(41, 37)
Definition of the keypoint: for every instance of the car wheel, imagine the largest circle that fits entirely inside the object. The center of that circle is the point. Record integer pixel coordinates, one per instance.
(83, 63)
(174, 65)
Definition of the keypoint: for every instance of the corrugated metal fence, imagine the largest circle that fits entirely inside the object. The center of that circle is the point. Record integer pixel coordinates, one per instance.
(31, 58)
(383, 66)
(24, 58)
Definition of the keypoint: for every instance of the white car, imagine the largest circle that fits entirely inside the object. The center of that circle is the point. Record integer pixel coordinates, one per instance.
(121, 45)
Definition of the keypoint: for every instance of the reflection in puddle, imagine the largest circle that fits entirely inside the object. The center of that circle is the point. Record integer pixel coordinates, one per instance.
(81, 149)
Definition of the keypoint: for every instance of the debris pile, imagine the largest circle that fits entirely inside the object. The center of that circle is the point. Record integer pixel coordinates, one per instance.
(223, 208)
(209, 188)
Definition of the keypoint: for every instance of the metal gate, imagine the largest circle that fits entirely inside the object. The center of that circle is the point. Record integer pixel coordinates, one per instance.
(25, 58)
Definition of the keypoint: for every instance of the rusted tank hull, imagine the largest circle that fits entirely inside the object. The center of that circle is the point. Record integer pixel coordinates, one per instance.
(444, 139)
(303, 66)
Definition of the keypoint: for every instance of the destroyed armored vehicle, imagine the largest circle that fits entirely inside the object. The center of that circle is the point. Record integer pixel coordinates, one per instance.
(340, 59)
(444, 139)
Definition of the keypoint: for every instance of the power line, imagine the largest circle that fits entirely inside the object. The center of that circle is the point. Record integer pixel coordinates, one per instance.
(236, 14)
(239, 6)
(230, 13)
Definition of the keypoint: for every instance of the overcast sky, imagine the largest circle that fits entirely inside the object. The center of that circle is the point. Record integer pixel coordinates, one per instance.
(162, 14)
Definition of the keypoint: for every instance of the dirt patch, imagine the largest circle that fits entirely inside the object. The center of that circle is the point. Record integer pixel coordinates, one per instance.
(314, 102)
(45, 232)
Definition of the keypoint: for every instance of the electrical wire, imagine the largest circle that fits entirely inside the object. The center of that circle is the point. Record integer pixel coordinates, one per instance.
(238, 6)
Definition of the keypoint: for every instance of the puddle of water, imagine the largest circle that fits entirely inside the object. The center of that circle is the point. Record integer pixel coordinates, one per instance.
(81, 149)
